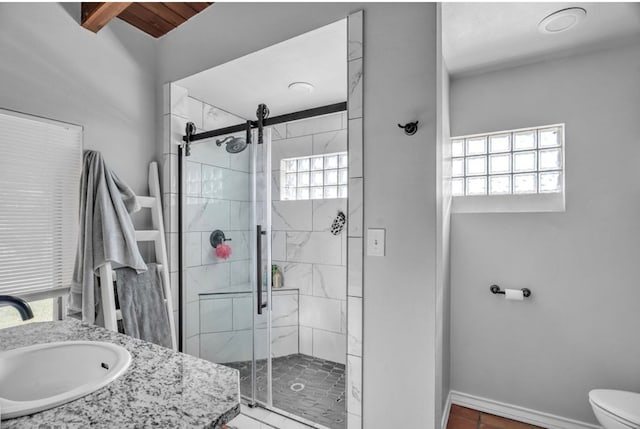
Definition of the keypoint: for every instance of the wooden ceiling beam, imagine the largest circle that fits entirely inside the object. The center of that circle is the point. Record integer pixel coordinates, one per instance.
(97, 15)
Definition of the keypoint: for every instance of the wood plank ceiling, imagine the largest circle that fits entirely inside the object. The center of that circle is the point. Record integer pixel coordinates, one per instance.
(155, 19)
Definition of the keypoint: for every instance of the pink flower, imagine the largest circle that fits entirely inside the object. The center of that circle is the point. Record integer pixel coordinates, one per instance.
(223, 251)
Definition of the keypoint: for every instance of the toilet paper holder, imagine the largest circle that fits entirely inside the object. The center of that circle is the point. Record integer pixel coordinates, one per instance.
(495, 289)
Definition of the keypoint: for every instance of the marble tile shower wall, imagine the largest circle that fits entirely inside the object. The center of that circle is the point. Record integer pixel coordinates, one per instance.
(217, 292)
(313, 260)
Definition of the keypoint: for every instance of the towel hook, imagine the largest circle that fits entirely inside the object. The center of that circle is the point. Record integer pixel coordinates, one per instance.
(410, 128)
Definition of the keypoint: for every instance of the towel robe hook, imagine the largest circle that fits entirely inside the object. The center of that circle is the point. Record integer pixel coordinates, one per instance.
(410, 128)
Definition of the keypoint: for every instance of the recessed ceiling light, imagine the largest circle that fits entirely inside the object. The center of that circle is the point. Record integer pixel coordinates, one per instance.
(562, 20)
(301, 87)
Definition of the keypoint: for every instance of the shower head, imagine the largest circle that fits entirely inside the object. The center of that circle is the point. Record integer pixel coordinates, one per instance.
(234, 144)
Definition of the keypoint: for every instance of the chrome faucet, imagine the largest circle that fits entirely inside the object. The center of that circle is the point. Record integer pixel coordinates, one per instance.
(19, 304)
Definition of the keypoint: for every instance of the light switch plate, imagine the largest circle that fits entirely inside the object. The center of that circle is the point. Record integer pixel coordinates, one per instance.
(375, 241)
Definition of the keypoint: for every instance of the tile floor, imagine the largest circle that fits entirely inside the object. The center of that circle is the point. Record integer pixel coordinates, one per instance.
(466, 418)
(303, 385)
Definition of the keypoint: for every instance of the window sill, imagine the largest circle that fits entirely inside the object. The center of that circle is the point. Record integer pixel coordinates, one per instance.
(532, 203)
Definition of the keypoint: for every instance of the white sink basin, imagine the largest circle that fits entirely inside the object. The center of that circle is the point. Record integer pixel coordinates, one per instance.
(44, 376)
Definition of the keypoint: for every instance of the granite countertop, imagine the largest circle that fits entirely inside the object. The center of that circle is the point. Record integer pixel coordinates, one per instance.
(161, 388)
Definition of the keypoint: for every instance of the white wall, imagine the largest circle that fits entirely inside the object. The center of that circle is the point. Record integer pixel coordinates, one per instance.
(52, 67)
(400, 195)
(579, 330)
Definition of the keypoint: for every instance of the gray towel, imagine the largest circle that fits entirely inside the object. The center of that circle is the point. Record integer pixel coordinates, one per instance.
(144, 313)
(106, 233)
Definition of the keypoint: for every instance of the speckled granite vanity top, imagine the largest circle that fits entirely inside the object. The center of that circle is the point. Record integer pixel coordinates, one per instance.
(161, 388)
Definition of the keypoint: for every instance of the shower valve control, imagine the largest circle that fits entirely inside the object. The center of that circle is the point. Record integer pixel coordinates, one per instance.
(375, 241)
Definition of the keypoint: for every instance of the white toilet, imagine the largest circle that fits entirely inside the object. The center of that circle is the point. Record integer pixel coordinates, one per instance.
(616, 409)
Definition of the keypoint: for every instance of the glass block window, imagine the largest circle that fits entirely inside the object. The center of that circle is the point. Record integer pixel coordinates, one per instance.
(526, 161)
(314, 177)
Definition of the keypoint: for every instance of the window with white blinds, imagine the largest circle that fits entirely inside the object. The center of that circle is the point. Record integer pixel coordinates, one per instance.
(40, 164)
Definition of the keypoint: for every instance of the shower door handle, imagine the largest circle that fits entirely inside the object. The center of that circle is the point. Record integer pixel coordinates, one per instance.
(259, 234)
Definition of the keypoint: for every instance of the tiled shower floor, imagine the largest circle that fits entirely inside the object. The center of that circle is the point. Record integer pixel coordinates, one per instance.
(322, 400)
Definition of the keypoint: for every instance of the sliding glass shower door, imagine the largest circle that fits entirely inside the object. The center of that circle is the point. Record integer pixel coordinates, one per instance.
(226, 236)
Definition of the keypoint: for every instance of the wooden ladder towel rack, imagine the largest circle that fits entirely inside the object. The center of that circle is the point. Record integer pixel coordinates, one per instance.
(156, 235)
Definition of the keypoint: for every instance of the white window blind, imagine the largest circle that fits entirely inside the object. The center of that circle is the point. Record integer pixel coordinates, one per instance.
(40, 164)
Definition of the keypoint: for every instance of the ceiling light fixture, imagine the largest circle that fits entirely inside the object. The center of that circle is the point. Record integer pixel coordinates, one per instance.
(562, 20)
(301, 87)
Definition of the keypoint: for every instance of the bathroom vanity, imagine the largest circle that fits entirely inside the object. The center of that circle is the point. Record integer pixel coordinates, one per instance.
(161, 388)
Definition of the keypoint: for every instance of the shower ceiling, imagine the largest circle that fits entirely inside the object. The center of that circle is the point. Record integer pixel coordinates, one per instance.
(317, 57)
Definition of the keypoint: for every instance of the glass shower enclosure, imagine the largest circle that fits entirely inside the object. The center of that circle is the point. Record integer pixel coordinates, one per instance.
(226, 298)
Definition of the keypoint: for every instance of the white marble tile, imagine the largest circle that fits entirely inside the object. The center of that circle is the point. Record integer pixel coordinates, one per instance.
(194, 110)
(242, 311)
(237, 185)
(354, 326)
(284, 309)
(166, 99)
(306, 340)
(223, 347)
(326, 211)
(275, 184)
(279, 246)
(284, 341)
(321, 313)
(343, 317)
(170, 212)
(353, 421)
(206, 214)
(330, 281)
(356, 145)
(354, 37)
(354, 385)
(315, 125)
(193, 249)
(239, 215)
(239, 272)
(240, 161)
(355, 88)
(206, 152)
(344, 248)
(192, 319)
(330, 346)
(216, 314)
(173, 279)
(215, 118)
(240, 245)
(354, 267)
(177, 131)
(355, 221)
(193, 346)
(171, 239)
(193, 180)
(179, 97)
(169, 173)
(290, 148)
(330, 142)
(297, 276)
(314, 247)
(278, 131)
(291, 215)
(213, 182)
(207, 279)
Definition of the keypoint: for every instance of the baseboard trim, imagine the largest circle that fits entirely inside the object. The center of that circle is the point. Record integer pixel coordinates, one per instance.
(516, 412)
(446, 412)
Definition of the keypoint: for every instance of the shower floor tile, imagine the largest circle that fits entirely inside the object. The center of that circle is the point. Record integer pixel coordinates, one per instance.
(320, 385)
